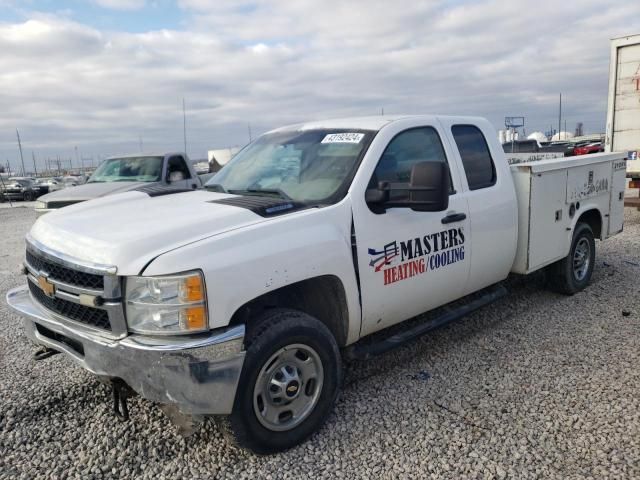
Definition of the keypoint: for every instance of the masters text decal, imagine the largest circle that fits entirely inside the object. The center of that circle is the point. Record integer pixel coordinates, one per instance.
(399, 260)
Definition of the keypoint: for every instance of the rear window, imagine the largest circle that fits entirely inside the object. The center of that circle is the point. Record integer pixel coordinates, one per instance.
(476, 158)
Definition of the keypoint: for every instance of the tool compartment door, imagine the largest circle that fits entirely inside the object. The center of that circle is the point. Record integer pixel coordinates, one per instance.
(616, 205)
(548, 236)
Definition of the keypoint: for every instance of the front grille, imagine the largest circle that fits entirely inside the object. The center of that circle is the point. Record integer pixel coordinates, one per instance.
(61, 203)
(66, 275)
(80, 313)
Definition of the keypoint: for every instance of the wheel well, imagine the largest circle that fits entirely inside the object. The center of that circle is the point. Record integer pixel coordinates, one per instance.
(321, 297)
(594, 220)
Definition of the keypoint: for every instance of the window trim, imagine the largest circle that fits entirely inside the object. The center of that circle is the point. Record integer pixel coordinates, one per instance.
(493, 163)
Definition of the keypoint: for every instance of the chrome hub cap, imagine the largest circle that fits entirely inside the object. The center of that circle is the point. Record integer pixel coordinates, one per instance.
(581, 259)
(288, 387)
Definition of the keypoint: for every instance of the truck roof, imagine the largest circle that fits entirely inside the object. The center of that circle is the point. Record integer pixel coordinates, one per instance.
(145, 154)
(365, 123)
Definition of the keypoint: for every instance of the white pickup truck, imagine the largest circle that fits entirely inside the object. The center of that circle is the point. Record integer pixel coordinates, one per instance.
(241, 301)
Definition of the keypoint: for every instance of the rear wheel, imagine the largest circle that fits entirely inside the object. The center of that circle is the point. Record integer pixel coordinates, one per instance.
(573, 273)
(289, 383)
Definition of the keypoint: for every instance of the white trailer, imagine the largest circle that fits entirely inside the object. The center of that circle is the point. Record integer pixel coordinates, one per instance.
(623, 113)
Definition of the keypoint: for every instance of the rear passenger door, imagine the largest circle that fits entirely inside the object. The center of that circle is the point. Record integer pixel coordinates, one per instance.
(491, 197)
(409, 261)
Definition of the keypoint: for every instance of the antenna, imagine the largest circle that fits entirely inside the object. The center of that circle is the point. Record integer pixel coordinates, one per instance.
(33, 155)
(184, 125)
(20, 148)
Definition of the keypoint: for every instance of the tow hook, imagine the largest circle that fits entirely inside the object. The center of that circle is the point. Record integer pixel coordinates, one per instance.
(43, 353)
(121, 391)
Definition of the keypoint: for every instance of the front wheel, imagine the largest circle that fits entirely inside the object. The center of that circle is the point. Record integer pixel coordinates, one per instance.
(573, 273)
(289, 382)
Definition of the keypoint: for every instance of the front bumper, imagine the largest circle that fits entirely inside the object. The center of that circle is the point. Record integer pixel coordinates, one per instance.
(198, 374)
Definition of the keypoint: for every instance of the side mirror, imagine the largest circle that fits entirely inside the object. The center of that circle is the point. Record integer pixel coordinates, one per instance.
(427, 191)
(377, 196)
(429, 187)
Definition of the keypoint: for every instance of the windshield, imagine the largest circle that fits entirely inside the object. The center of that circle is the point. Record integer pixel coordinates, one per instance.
(130, 169)
(314, 166)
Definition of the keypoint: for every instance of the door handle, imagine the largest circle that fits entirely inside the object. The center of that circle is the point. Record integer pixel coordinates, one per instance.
(454, 217)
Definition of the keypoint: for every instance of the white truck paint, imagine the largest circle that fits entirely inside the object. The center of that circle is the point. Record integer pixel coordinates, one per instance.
(359, 263)
(623, 112)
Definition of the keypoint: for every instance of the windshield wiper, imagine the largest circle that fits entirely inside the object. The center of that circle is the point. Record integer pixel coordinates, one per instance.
(95, 181)
(269, 191)
(215, 187)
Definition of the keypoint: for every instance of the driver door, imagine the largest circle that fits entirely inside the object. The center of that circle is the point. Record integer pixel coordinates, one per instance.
(410, 261)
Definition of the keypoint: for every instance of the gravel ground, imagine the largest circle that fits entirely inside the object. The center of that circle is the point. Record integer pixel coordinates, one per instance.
(536, 386)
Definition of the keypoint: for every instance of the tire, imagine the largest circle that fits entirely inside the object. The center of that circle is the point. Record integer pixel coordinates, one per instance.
(571, 275)
(292, 343)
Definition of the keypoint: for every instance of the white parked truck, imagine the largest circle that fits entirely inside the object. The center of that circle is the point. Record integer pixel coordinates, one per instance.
(623, 112)
(242, 301)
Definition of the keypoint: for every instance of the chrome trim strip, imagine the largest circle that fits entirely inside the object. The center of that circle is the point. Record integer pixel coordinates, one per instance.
(145, 342)
(114, 310)
(68, 261)
(62, 285)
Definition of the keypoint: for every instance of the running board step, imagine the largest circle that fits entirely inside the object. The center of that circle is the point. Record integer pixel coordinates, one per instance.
(366, 350)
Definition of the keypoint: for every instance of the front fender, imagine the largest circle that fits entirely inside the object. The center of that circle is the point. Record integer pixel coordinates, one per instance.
(243, 264)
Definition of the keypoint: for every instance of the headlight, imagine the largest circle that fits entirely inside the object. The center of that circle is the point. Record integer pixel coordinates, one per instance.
(41, 205)
(168, 305)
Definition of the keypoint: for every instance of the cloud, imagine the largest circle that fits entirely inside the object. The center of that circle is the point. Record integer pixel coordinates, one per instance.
(121, 4)
(64, 83)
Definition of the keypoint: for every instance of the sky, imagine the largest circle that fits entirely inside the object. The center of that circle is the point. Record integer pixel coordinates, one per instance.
(103, 77)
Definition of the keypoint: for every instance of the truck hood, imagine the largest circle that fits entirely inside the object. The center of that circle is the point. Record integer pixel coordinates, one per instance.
(130, 229)
(89, 191)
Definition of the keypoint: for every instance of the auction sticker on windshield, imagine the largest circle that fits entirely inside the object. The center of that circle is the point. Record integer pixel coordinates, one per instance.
(343, 138)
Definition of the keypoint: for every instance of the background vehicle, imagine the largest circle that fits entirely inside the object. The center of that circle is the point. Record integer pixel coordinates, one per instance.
(623, 113)
(243, 300)
(53, 184)
(17, 189)
(587, 148)
(121, 174)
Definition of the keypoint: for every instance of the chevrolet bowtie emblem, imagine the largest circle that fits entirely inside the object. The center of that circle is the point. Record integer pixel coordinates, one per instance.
(47, 287)
(291, 388)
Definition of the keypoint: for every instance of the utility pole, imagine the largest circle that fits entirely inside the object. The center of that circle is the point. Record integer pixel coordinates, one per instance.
(77, 161)
(184, 125)
(249, 128)
(560, 118)
(35, 170)
(20, 148)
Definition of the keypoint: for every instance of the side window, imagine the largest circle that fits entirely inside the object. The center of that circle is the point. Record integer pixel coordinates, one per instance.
(420, 144)
(476, 158)
(176, 167)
